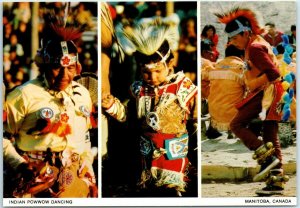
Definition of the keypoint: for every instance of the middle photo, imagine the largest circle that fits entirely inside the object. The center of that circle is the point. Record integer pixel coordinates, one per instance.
(149, 99)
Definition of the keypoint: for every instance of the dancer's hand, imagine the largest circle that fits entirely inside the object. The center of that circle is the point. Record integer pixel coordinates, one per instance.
(263, 114)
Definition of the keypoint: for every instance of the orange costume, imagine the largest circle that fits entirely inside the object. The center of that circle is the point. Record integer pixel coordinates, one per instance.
(227, 74)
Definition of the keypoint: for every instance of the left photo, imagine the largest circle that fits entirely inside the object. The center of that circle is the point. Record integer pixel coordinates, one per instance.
(49, 87)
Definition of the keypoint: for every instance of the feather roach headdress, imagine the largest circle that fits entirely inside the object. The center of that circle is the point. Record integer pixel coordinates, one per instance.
(148, 40)
(58, 43)
(236, 15)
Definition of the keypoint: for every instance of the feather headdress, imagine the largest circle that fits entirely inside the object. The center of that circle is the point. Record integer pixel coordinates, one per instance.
(247, 13)
(108, 33)
(57, 43)
(146, 39)
(56, 29)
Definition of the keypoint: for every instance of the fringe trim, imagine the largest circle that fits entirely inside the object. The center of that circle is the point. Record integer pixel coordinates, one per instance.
(141, 106)
(220, 126)
(145, 176)
(171, 179)
(228, 75)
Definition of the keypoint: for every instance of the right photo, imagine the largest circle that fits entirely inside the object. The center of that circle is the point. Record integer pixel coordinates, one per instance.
(248, 98)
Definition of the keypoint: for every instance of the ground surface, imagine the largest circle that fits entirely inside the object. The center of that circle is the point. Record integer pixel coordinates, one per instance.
(243, 189)
(223, 152)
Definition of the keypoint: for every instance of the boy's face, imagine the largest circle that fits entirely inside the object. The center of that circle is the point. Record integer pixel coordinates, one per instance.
(240, 41)
(155, 74)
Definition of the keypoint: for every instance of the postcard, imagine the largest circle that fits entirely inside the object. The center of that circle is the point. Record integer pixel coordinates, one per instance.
(149, 103)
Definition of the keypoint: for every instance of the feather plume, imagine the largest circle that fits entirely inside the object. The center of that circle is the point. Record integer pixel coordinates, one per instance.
(66, 33)
(66, 13)
(56, 28)
(236, 12)
(146, 38)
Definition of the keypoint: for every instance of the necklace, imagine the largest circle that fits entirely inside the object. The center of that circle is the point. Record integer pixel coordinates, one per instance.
(152, 118)
(64, 96)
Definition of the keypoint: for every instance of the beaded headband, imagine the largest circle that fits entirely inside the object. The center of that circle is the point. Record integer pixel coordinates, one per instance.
(67, 60)
(163, 60)
(241, 28)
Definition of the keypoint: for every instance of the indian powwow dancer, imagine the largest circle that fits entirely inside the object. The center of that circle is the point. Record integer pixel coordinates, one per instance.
(162, 103)
(262, 81)
(49, 118)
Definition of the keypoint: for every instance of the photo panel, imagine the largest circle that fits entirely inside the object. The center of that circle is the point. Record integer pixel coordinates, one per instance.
(149, 99)
(50, 102)
(164, 66)
(248, 102)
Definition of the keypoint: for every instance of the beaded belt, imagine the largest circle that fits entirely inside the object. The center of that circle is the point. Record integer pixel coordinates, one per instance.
(33, 156)
(36, 155)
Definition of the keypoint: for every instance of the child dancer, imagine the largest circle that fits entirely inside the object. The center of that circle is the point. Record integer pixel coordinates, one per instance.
(164, 102)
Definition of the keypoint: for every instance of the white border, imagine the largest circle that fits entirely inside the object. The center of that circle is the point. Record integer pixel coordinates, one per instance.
(197, 201)
(72, 202)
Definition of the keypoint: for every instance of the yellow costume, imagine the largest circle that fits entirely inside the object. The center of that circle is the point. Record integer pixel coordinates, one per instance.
(226, 89)
(41, 118)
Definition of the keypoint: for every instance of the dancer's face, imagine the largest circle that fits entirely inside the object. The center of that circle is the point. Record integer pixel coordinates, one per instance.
(156, 74)
(240, 41)
(60, 78)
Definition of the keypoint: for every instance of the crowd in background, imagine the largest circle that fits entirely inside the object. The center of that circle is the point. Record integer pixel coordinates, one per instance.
(17, 36)
(210, 39)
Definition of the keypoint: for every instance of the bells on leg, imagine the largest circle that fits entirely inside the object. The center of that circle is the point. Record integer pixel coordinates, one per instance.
(274, 183)
(266, 159)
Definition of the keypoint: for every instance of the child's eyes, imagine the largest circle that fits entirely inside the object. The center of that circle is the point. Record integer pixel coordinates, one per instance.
(152, 72)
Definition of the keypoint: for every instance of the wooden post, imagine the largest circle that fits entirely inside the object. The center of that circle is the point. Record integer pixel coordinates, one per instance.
(169, 8)
(34, 38)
